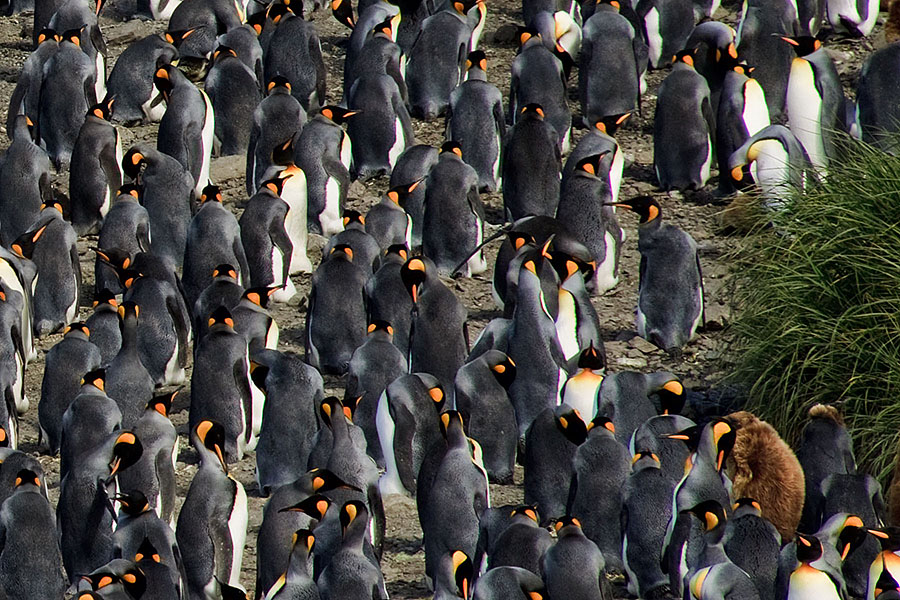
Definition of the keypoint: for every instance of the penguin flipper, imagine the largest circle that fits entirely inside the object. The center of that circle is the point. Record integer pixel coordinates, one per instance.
(710, 118)
(110, 165)
(702, 292)
(310, 308)
(242, 382)
(76, 267)
(499, 121)
(243, 266)
(404, 432)
(142, 232)
(281, 240)
(182, 328)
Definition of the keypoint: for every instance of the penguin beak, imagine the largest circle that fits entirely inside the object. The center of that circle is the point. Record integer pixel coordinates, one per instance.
(114, 469)
(414, 292)
(720, 459)
(221, 457)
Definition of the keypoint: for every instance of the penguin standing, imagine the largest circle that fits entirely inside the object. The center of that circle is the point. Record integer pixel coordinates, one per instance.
(131, 80)
(856, 18)
(57, 289)
(875, 117)
(266, 242)
(168, 194)
(759, 43)
(379, 54)
(226, 400)
(95, 173)
(297, 582)
(670, 302)
(668, 26)
(350, 574)
(475, 119)
(386, 296)
(212, 524)
(438, 341)
(815, 100)
(336, 318)
(127, 379)
(366, 249)
(625, 397)
(80, 20)
(806, 581)
(186, 130)
(293, 192)
(103, 325)
(414, 165)
(684, 120)
(754, 545)
(66, 363)
(234, 94)
(742, 113)
(776, 161)
(530, 164)
(67, 91)
(522, 543)
(453, 224)
(195, 25)
(137, 522)
(276, 119)
(26, 95)
(572, 547)
(24, 181)
(125, 233)
(482, 398)
(582, 388)
(382, 130)
(387, 222)
(294, 52)
(88, 420)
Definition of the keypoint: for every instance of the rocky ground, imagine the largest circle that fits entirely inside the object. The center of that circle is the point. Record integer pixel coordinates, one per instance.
(703, 363)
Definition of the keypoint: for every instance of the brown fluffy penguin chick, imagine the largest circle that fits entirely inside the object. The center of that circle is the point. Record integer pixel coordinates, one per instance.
(762, 466)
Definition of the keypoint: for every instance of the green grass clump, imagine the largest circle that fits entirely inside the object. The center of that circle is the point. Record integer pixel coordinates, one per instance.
(818, 306)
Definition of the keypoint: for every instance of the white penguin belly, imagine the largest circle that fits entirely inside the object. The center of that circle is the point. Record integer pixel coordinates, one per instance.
(399, 143)
(330, 217)
(615, 174)
(581, 393)
(237, 527)
(477, 264)
(840, 10)
(807, 583)
(495, 168)
(389, 482)
(166, 12)
(707, 164)
(287, 290)
(295, 225)
(804, 107)
(153, 114)
(11, 424)
(654, 37)
(771, 172)
(206, 140)
(567, 324)
(346, 150)
(272, 336)
(10, 280)
(72, 309)
(606, 270)
(174, 373)
(19, 386)
(756, 112)
(100, 83)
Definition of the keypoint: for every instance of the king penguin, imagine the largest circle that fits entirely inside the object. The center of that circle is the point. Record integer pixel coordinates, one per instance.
(95, 172)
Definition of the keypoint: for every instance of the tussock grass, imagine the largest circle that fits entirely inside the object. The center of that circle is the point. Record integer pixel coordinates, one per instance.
(818, 299)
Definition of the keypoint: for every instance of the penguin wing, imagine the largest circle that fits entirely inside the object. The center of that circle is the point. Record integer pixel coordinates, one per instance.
(499, 121)
(315, 57)
(874, 489)
(709, 117)
(238, 249)
(142, 233)
(182, 327)
(404, 432)
(192, 142)
(242, 382)
(310, 309)
(392, 68)
(513, 92)
(281, 240)
(98, 41)
(76, 267)
(702, 293)
(109, 162)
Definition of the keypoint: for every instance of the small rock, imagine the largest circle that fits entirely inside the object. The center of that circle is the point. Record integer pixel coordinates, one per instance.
(505, 34)
(631, 363)
(642, 345)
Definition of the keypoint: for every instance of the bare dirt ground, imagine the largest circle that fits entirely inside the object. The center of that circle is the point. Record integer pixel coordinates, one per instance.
(704, 361)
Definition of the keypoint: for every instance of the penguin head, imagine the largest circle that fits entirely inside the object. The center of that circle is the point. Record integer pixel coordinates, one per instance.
(711, 514)
(400, 251)
(105, 298)
(26, 477)
(464, 6)
(4, 438)
(132, 162)
(314, 506)
(570, 423)
(646, 207)
(260, 295)
(353, 512)
(353, 219)
(809, 548)
(147, 551)
(592, 358)
(77, 329)
(278, 84)
(463, 572)
(742, 67)
(133, 503)
(590, 166)
(399, 194)
(162, 403)
(58, 202)
(413, 274)
(601, 422)
(451, 147)
(341, 252)
(134, 581)
(283, 154)
(685, 57)
(126, 451)
(745, 506)
(451, 420)
(524, 35)
(274, 186)
(612, 3)
(304, 538)
(258, 375)
(221, 318)
(95, 379)
(331, 406)
(25, 244)
(741, 176)
(230, 592)
(128, 277)
(162, 80)
(645, 459)
(533, 111)
(803, 45)
(323, 480)
(73, 36)
(343, 12)
(211, 193)
(724, 435)
(438, 398)
(278, 11)
(690, 437)
(520, 239)
(853, 534)
(672, 397)
(528, 511)
(502, 368)
(104, 109)
(386, 28)
(211, 437)
(378, 326)
(178, 36)
(226, 272)
(611, 123)
(48, 35)
(131, 191)
(222, 53)
(337, 114)
(476, 60)
(888, 537)
(128, 311)
(886, 587)
(567, 524)
(117, 258)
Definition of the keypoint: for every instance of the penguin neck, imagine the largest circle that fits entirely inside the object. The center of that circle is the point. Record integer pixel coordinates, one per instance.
(129, 337)
(456, 437)
(340, 431)
(355, 534)
(298, 565)
(476, 74)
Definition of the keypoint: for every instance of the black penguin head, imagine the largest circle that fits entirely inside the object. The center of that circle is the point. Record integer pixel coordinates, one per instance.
(450, 420)
(223, 53)
(613, 3)
(724, 435)
(133, 503)
(274, 185)
(305, 538)
(451, 147)
(163, 403)
(590, 165)
(888, 537)
(611, 123)
(25, 244)
(645, 457)
(463, 572)
(672, 397)
(26, 477)
(342, 251)
(438, 397)
(103, 110)
(48, 35)
(690, 437)
(106, 297)
(279, 83)
(398, 250)
(529, 511)
(4, 438)
(399, 194)
(378, 325)
(95, 378)
(803, 44)
(283, 154)
(387, 27)
(684, 57)
(58, 202)
(570, 423)
(260, 295)
(413, 275)
(132, 162)
(221, 318)
(353, 218)
(177, 37)
(743, 68)
(567, 521)
(352, 512)
(126, 451)
(134, 581)
(77, 329)
(592, 358)
(532, 110)
(132, 190)
(527, 34)
(211, 436)
(211, 193)
(147, 551)
(711, 514)
(852, 535)
(162, 80)
(128, 310)
(258, 375)
(278, 11)
(504, 370)
(601, 422)
(331, 406)
(314, 506)
(323, 480)
(73, 36)
(646, 207)
(226, 271)
(519, 239)
(229, 592)
(337, 114)
(476, 60)
(809, 548)
(343, 12)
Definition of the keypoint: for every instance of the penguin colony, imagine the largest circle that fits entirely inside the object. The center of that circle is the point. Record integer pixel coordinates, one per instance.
(623, 495)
